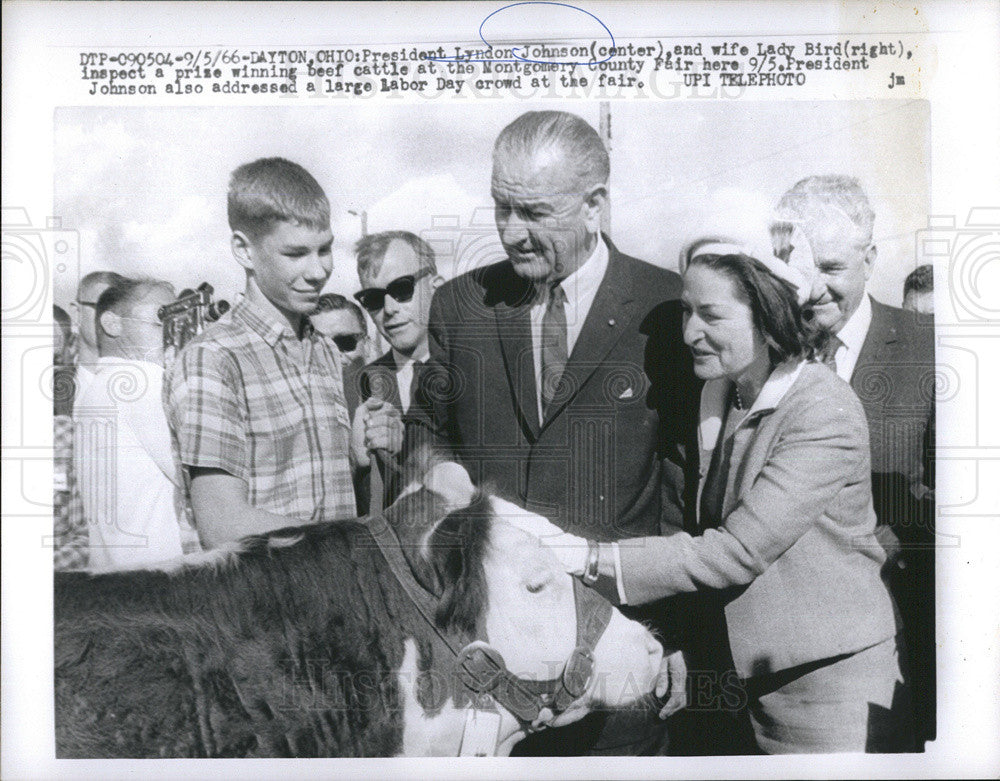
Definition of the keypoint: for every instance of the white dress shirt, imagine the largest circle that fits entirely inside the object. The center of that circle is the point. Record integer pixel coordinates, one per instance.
(852, 338)
(83, 378)
(129, 484)
(404, 372)
(580, 288)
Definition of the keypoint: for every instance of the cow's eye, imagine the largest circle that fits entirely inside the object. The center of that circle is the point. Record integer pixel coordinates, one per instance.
(538, 582)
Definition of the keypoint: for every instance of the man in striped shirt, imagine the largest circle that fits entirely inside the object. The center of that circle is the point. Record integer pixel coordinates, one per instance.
(255, 402)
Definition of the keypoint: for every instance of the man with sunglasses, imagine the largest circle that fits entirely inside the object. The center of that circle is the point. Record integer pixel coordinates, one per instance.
(131, 489)
(344, 324)
(570, 388)
(398, 274)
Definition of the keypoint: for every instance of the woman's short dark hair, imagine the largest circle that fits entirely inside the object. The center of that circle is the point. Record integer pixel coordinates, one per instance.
(773, 306)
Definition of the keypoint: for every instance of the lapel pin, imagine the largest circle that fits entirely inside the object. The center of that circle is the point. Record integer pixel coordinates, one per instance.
(611, 321)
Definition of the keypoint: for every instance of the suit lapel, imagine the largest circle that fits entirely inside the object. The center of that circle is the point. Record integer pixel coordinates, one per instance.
(877, 345)
(382, 382)
(610, 316)
(513, 321)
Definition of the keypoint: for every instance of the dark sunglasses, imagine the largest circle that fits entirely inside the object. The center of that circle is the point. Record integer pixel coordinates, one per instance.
(347, 342)
(401, 289)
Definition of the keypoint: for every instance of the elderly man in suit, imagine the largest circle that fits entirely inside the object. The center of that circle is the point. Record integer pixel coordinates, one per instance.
(559, 374)
(887, 355)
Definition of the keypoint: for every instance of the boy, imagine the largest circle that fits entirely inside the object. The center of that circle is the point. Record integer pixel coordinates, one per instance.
(256, 403)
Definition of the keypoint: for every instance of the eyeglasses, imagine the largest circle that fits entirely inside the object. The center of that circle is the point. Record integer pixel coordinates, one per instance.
(347, 342)
(401, 289)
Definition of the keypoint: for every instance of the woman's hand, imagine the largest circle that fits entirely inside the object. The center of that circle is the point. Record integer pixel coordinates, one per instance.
(570, 549)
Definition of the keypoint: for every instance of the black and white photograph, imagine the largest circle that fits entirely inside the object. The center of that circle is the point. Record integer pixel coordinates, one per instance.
(556, 429)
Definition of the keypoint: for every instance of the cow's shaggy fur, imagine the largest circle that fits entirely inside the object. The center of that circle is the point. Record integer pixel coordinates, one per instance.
(279, 650)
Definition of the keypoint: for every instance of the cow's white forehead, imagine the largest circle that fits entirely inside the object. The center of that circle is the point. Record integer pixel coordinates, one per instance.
(532, 523)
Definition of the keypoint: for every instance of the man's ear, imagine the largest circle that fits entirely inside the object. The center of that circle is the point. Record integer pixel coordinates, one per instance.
(871, 252)
(111, 323)
(240, 244)
(594, 204)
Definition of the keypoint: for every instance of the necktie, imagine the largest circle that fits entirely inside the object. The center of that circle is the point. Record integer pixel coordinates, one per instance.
(415, 381)
(829, 354)
(554, 345)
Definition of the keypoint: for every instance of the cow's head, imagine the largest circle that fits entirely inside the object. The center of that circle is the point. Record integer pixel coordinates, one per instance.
(496, 581)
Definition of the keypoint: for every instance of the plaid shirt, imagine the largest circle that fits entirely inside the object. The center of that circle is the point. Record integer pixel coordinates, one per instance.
(249, 397)
(70, 540)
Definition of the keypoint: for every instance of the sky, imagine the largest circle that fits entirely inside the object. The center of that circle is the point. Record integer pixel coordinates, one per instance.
(145, 188)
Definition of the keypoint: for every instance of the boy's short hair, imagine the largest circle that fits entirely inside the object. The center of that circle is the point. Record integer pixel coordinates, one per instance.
(272, 190)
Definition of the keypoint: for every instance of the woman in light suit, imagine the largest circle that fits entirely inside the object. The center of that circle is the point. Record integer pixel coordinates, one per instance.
(785, 520)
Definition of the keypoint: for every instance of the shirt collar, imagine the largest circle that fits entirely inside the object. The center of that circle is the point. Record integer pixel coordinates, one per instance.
(264, 323)
(715, 396)
(579, 285)
(583, 282)
(402, 361)
(853, 334)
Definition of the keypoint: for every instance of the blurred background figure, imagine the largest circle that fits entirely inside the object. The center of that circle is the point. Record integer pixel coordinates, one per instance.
(85, 306)
(129, 483)
(69, 526)
(918, 290)
(344, 323)
(62, 337)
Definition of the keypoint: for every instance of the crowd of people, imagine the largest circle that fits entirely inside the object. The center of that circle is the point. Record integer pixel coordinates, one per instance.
(740, 454)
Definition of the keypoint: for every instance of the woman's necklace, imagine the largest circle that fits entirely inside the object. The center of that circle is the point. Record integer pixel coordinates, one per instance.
(738, 400)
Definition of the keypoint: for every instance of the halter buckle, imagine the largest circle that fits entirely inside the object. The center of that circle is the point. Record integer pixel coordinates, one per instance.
(578, 671)
(480, 666)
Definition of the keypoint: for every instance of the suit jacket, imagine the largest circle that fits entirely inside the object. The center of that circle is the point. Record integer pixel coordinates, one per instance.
(610, 460)
(894, 379)
(379, 379)
(796, 551)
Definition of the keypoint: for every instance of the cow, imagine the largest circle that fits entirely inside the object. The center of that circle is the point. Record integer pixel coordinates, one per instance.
(305, 642)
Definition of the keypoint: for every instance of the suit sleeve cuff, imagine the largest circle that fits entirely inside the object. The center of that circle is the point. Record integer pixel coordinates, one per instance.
(619, 582)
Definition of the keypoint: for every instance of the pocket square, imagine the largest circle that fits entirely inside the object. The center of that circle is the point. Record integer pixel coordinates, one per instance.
(628, 393)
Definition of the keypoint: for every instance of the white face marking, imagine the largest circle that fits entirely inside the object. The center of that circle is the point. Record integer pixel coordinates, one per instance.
(440, 735)
(531, 618)
(627, 657)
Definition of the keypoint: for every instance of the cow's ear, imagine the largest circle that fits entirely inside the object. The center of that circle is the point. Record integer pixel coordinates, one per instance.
(457, 548)
(451, 482)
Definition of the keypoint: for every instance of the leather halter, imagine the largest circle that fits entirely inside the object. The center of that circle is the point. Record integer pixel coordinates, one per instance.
(482, 669)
